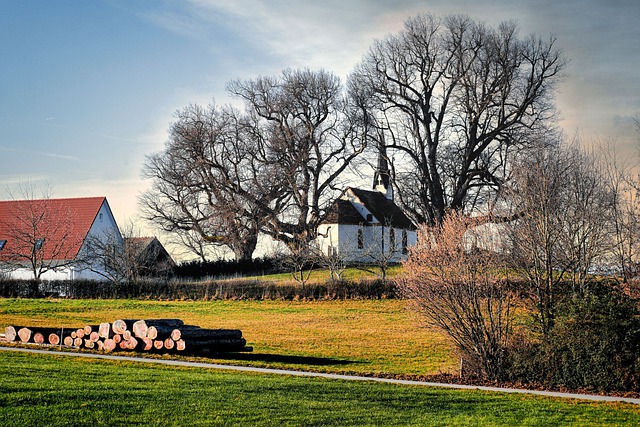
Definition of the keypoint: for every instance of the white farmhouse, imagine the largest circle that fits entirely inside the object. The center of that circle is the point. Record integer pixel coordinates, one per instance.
(51, 237)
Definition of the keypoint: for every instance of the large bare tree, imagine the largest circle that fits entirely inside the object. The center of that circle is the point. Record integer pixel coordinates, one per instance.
(450, 99)
(311, 135)
(212, 179)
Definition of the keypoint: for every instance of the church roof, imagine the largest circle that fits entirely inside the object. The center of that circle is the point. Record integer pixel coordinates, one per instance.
(342, 211)
(385, 210)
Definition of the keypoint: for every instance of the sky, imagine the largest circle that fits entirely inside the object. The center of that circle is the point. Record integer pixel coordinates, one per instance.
(89, 88)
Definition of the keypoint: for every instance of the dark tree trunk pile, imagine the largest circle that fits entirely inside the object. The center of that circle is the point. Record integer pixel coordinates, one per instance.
(152, 335)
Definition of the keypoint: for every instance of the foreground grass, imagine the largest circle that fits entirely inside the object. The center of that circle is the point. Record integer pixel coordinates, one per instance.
(48, 390)
(328, 336)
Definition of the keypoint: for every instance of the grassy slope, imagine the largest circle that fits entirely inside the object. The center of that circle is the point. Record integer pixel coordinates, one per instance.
(52, 390)
(331, 336)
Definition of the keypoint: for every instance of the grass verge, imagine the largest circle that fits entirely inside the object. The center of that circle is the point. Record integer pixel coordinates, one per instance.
(39, 390)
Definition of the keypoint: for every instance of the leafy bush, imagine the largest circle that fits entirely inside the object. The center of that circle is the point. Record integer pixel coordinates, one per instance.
(594, 344)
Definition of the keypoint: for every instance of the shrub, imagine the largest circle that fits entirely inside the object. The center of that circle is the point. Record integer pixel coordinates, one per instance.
(200, 290)
(594, 344)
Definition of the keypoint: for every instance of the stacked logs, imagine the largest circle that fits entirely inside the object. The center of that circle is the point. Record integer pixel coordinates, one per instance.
(152, 335)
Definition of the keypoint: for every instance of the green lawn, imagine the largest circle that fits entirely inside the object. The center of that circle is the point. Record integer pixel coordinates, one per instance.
(49, 390)
(329, 336)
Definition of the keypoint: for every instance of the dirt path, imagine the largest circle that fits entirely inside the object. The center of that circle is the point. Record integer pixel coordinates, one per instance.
(326, 375)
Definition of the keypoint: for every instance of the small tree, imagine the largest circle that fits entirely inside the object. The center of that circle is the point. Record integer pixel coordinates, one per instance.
(39, 234)
(451, 282)
(382, 251)
(564, 211)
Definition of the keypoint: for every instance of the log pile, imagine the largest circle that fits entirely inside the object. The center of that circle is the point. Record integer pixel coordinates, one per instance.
(151, 335)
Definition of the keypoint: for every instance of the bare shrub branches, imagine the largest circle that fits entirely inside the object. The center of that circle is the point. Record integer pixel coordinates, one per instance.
(451, 282)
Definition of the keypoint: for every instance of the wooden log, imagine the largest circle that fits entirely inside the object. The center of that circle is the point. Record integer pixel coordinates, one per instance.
(77, 342)
(80, 333)
(169, 344)
(24, 334)
(104, 330)
(38, 338)
(180, 345)
(68, 341)
(117, 338)
(148, 344)
(122, 345)
(152, 332)
(74, 334)
(10, 333)
(94, 336)
(109, 345)
(222, 345)
(119, 326)
(160, 331)
(167, 323)
(100, 345)
(54, 339)
(88, 329)
(140, 329)
(158, 344)
(89, 344)
(131, 343)
(162, 328)
(196, 333)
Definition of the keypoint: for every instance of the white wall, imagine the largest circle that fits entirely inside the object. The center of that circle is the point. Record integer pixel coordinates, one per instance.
(345, 239)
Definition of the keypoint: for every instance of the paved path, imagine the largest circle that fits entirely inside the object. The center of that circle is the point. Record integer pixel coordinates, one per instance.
(325, 375)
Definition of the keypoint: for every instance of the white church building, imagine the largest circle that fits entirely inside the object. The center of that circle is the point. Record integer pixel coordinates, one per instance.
(367, 226)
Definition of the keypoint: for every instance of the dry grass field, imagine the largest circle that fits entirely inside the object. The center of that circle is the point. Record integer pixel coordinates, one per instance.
(355, 336)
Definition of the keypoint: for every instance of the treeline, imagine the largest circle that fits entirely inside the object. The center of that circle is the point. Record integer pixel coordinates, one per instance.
(158, 289)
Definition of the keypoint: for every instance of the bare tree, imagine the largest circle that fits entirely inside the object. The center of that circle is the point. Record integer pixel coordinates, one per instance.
(450, 283)
(106, 255)
(621, 180)
(565, 212)
(212, 179)
(125, 256)
(312, 136)
(451, 99)
(381, 251)
(38, 233)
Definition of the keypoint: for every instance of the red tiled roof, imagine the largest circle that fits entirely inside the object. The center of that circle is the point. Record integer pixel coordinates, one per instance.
(63, 223)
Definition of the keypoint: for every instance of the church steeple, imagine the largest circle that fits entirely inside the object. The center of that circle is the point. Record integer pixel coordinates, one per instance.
(382, 175)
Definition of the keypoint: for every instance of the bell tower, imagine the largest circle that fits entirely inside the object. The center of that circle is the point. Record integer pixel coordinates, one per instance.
(382, 175)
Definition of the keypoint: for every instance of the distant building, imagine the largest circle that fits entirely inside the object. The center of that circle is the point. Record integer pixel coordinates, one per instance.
(148, 257)
(367, 226)
(51, 237)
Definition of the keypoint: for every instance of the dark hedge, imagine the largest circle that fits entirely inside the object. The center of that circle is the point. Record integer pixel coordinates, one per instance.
(200, 290)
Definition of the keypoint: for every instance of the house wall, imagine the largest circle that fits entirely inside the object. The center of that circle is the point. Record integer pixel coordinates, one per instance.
(104, 227)
(344, 239)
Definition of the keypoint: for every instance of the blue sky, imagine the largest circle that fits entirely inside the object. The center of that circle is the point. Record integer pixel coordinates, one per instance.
(88, 88)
